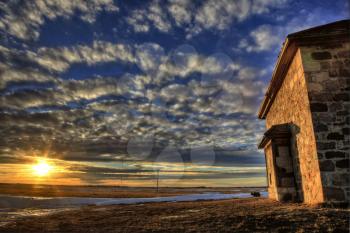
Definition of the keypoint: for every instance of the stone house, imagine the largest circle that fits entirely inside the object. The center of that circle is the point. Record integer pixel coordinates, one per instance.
(306, 108)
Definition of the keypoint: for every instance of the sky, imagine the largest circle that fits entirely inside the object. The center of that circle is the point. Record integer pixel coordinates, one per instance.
(111, 92)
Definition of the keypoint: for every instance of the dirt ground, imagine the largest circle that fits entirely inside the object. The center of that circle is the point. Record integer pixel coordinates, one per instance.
(235, 215)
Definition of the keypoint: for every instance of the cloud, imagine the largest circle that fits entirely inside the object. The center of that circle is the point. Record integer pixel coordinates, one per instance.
(268, 37)
(138, 22)
(219, 15)
(18, 66)
(181, 11)
(194, 18)
(250, 73)
(264, 38)
(153, 15)
(24, 22)
(176, 91)
(184, 61)
(11, 74)
(158, 18)
(265, 6)
(149, 56)
(60, 59)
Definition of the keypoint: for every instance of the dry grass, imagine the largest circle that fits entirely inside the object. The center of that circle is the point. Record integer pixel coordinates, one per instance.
(239, 215)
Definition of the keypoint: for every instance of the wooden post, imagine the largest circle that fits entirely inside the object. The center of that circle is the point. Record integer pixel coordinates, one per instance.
(157, 180)
(121, 175)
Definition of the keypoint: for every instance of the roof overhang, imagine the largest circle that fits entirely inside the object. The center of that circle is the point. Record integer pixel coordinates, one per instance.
(282, 131)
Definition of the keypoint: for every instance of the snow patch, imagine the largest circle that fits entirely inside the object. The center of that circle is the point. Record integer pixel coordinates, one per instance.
(57, 202)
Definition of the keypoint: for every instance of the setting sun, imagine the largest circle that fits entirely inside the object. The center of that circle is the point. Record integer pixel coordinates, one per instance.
(42, 168)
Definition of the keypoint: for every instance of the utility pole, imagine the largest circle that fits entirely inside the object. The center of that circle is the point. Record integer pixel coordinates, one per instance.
(157, 180)
(121, 175)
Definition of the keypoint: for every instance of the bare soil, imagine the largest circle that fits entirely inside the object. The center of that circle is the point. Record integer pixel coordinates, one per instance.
(235, 215)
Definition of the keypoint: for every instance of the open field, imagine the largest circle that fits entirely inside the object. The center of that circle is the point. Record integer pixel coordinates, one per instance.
(109, 191)
(235, 215)
(230, 215)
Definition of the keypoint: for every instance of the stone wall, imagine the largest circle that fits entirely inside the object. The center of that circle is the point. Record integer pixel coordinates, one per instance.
(271, 176)
(327, 73)
(291, 105)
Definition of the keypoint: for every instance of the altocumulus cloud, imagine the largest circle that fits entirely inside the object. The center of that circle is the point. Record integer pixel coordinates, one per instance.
(25, 22)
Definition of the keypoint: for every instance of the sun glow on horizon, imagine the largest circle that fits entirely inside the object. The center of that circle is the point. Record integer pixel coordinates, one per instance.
(42, 168)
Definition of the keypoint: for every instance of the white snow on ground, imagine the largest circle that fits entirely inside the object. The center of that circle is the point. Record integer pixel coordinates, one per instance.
(57, 202)
(190, 197)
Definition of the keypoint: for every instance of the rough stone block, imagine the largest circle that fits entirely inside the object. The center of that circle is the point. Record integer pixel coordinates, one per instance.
(325, 145)
(335, 136)
(347, 105)
(321, 55)
(324, 117)
(345, 148)
(331, 45)
(335, 154)
(336, 106)
(318, 107)
(321, 97)
(309, 64)
(338, 64)
(319, 155)
(325, 179)
(319, 127)
(340, 179)
(315, 87)
(332, 193)
(344, 54)
(343, 113)
(331, 85)
(327, 165)
(337, 73)
(339, 119)
(317, 77)
(346, 131)
(325, 65)
(344, 73)
(344, 163)
(342, 97)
